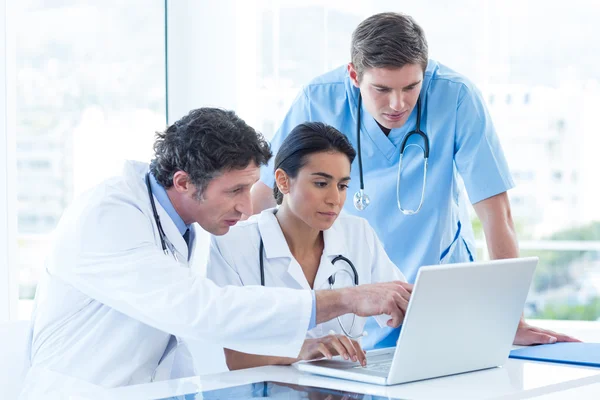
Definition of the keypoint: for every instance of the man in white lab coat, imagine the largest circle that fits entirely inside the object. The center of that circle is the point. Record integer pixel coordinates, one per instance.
(117, 294)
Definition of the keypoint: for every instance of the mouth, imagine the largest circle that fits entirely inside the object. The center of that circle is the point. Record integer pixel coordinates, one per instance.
(395, 116)
(231, 222)
(328, 214)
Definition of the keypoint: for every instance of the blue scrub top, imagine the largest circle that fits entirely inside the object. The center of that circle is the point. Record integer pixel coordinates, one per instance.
(464, 147)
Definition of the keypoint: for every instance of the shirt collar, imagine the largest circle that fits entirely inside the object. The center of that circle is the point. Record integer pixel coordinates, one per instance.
(163, 199)
(276, 245)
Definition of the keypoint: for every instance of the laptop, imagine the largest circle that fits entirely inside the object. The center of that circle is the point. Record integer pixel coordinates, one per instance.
(460, 318)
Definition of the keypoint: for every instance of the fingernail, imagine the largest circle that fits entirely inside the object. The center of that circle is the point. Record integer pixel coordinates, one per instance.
(552, 339)
(354, 358)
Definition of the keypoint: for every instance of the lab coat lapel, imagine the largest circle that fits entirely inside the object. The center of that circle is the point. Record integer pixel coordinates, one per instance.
(137, 172)
(276, 247)
(192, 246)
(334, 246)
(173, 234)
(295, 271)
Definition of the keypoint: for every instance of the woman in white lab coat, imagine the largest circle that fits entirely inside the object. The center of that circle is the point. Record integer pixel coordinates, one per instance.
(303, 239)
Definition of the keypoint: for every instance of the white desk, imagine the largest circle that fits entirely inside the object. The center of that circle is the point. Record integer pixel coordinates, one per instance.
(517, 379)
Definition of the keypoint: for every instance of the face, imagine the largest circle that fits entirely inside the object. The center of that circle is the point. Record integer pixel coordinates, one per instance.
(317, 194)
(389, 94)
(223, 202)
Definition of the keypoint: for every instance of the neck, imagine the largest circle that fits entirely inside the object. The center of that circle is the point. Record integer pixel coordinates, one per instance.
(301, 238)
(175, 201)
(384, 129)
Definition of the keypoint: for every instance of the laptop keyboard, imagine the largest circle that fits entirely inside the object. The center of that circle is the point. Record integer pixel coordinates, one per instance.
(379, 367)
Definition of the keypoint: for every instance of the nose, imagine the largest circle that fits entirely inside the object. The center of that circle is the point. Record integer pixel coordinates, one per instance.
(397, 101)
(334, 196)
(244, 206)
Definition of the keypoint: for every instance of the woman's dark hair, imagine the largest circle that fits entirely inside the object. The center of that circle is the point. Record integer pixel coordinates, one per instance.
(204, 144)
(306, 139)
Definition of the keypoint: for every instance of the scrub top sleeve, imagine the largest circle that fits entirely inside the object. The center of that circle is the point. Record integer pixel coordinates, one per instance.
(477, 151)
(218, 269)
(298, 113)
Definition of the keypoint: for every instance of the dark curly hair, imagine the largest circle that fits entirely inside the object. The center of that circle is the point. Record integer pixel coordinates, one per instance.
(204, 144)
(306, 139)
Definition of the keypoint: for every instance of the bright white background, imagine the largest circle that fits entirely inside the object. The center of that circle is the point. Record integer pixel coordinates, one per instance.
(82, 88)
(8, 281)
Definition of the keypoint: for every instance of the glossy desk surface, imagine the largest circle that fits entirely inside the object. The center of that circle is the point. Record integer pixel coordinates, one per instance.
(517, 379)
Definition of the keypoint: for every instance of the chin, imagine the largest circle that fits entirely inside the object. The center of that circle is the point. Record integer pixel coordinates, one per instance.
(323, 226)
(394, 125)
(219, 231)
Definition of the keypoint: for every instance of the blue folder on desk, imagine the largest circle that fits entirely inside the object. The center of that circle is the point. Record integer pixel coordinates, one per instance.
(586, 354)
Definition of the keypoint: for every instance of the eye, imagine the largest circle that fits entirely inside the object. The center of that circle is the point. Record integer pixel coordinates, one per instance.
(343, 187)
(320, 184)
(410, 88)
(382, 90)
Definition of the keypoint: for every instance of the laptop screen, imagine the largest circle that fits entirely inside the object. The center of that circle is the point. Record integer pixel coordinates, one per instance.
(276, 390)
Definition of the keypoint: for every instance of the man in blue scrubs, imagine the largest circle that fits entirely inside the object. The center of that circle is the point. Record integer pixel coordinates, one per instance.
(388, 75)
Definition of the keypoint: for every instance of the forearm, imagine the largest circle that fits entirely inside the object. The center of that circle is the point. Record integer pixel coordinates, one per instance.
(501, 240)
(498, 226)
(332, 303)
(238, 360)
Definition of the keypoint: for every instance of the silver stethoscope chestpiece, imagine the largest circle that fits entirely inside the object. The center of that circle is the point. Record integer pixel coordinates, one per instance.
(361, 200)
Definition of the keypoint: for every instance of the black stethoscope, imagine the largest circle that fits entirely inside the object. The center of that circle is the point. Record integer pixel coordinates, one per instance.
(166, 245)
(353, 276)
(361, 199)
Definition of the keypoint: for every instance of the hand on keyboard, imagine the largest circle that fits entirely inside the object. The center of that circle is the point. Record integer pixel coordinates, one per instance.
(332, 345)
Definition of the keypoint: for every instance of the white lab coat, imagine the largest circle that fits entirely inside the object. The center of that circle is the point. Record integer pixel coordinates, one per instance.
(110, 299)
(234, 260)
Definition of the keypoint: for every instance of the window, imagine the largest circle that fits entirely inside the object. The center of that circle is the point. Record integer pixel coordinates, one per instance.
(8, 222)
(89, 82)
(90, 93)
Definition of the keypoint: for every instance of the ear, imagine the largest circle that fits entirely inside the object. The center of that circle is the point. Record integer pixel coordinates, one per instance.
(353, 75)
(282, 181)
(181, 182)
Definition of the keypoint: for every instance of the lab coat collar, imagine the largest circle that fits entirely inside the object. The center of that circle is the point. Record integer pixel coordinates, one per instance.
(272, 236)
(160, 193)
(136, 173)
(276, 246)
(334, 240)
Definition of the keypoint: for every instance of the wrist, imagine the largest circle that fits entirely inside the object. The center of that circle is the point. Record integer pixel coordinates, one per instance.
(346, 301)
(333, 303)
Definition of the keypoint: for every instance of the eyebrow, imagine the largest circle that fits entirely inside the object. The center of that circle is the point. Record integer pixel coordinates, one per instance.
(405, 87)
(240, 186)
(324, 175)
